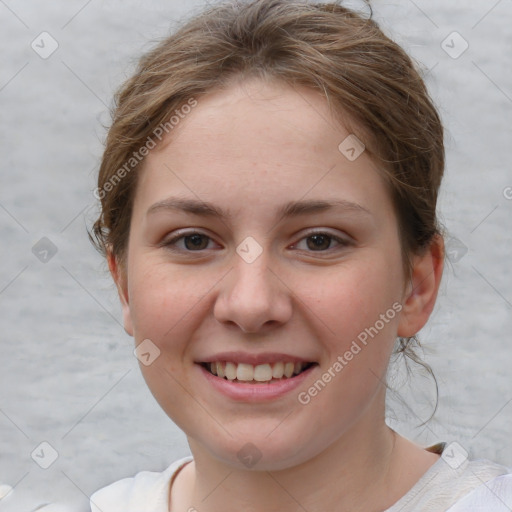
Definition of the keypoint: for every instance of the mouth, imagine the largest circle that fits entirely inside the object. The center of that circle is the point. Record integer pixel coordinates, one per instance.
(256, 374)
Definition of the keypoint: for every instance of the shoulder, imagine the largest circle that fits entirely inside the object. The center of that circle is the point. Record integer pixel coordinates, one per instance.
(456, 483)
(492, 496)
(147, 490)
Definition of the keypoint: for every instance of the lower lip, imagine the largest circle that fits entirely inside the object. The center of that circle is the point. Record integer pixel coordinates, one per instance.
(255, 392)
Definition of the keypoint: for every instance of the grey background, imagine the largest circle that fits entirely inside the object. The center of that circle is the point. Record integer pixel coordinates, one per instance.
(67, 372)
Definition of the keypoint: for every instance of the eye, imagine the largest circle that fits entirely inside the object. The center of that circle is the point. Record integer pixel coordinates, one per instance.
(321, 242)
(192, 242)
(195, 241)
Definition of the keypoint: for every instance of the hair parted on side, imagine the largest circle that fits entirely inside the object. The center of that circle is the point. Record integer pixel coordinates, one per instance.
(368, 80)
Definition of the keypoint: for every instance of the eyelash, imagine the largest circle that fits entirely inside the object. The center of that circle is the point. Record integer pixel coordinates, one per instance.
(170, 244)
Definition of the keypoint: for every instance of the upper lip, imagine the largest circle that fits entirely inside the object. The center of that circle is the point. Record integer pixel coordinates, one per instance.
(255, 359)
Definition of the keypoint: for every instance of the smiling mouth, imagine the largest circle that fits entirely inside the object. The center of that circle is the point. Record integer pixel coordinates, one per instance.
(256, 374)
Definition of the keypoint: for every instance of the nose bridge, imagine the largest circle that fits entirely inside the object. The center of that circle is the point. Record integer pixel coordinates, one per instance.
(252, 296)
(252, 276)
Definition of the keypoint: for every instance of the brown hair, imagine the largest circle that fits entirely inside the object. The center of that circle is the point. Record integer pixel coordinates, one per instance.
(340, 53)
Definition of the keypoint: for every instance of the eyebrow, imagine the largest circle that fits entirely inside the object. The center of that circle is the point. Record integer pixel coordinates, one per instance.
(291, 209)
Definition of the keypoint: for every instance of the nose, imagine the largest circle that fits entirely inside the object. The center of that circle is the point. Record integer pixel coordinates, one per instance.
(253, 296)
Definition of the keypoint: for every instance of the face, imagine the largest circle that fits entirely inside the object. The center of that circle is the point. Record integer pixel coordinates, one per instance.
(296, 257)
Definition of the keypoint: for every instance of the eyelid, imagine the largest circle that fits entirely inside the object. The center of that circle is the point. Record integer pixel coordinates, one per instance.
(343, 241)
(182, 233)
(325, 231)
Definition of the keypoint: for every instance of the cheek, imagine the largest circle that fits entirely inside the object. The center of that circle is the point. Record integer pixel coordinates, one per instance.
(164, 305)
(351, 299)
(159, 298)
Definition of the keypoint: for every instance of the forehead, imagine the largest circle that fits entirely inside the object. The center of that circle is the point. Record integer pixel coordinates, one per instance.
(252, 116)
(259, 141)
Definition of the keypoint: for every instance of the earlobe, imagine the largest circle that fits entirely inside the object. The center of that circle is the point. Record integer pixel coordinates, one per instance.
(421, 294)
(119, 277)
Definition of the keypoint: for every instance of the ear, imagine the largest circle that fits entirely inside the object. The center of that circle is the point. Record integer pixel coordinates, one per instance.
(421, 292)
(119, 276)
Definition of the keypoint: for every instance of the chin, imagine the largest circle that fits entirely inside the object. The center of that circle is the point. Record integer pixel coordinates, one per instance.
(259, 451)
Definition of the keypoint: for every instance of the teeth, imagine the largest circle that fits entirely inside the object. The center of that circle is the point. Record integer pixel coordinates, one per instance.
(230, 371)
(263, 372)
(288, 369)
(245, 372)
(260, 373)
(278, 370)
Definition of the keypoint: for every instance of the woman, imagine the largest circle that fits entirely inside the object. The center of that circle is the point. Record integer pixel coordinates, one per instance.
(268, 194)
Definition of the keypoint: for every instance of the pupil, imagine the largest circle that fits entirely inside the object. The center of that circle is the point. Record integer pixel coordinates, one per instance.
(317, 241)
(196, 241)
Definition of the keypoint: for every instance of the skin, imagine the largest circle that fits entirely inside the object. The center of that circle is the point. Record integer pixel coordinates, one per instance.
(249, 149)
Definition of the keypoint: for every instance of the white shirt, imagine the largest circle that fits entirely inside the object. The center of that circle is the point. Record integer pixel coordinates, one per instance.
(473, 486)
